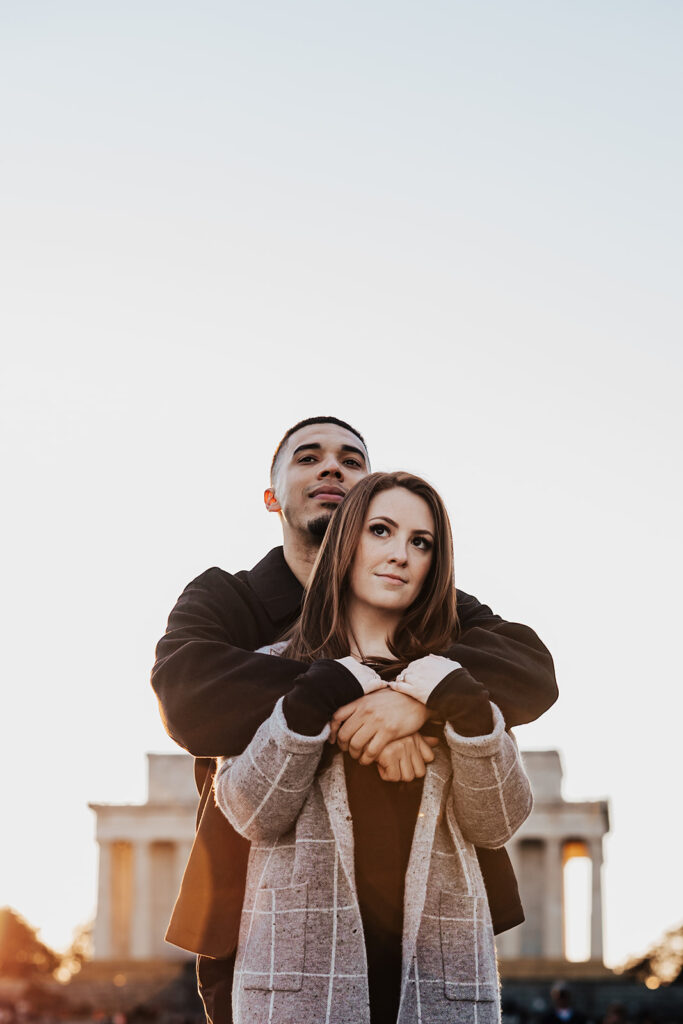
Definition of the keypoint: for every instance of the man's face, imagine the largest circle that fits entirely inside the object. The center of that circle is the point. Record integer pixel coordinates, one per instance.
(316, 467)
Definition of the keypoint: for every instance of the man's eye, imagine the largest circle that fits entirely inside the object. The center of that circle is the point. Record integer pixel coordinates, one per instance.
(307, 458)
(353, 462)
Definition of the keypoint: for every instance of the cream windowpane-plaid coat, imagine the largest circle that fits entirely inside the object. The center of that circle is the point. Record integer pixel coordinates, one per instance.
(301, 954)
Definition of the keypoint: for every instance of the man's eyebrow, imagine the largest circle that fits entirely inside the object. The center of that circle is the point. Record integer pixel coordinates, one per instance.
(305, 447)
(352, 448)
(316, 447)
(395, 525)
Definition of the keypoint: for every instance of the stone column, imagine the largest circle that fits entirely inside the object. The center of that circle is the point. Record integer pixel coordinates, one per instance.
(182, 854)
(102, 930)
(553, 912)
(509, 944)
(595, 847)
(141, 948)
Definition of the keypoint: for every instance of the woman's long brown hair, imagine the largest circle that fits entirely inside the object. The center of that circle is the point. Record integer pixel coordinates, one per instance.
(428, 626)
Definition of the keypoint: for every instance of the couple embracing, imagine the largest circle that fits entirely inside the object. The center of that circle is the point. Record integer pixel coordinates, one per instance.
(349, 712)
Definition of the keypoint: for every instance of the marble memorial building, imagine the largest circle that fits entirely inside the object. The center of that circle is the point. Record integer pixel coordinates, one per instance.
(143, 852)
(556, 831)
(144, 849)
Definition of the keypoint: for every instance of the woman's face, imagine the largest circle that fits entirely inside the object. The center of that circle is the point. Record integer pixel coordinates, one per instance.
(395, 551)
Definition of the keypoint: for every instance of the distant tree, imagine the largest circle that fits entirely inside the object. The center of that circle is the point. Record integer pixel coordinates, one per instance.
(78, 952)
(662, 964)
(22, 954)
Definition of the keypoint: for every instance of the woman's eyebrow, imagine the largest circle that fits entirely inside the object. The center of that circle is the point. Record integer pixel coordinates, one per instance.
(386, 520)
(391, 522)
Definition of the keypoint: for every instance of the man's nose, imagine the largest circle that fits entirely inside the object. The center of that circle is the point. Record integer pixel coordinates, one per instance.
(330, 467)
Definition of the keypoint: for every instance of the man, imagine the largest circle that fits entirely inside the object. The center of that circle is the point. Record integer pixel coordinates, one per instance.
(214, 692)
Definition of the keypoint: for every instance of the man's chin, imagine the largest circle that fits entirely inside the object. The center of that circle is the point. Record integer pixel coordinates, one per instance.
(318, 526)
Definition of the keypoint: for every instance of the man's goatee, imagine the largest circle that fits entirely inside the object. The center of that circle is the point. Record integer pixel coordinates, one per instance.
(317, 527)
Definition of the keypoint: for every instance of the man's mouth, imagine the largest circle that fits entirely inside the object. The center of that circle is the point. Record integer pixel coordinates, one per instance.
(328, 492)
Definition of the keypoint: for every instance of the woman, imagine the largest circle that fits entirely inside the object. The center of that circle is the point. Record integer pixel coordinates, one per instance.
(364, 898)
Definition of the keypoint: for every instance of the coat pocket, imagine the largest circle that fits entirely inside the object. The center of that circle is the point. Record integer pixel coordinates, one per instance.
(275, 951)
(469, 957)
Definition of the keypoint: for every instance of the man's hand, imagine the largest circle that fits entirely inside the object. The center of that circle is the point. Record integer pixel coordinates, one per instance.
(406, 759)
(365, 726)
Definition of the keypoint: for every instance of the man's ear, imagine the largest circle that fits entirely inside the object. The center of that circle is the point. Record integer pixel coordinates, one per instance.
(270, 501)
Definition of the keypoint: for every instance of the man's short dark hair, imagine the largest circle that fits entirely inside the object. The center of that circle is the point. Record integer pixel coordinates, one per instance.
(309, 423)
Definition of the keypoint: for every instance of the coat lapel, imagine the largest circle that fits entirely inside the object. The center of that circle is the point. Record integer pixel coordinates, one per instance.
(333, 786)
(437, 777)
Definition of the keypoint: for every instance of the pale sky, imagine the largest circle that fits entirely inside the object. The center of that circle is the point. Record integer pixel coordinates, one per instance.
(457, 226)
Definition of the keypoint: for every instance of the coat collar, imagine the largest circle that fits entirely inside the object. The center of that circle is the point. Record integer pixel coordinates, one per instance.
(276, 587)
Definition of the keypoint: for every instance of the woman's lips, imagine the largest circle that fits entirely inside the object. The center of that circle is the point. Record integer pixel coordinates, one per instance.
(391, 579)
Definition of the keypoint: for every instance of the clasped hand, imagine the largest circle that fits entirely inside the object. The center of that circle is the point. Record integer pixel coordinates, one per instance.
(384, 725)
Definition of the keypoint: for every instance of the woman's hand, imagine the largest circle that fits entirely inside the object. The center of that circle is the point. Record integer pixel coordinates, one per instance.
(424, 675)
(406, 759)
(365, 726)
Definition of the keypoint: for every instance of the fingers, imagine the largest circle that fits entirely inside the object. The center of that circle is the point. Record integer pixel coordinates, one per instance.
(425, 747)
(417, 761)
(363, 733)
(343, 714)
(367, 725)
(354, 740)
(389, 765)
(366, 758)
(406, 765)
(376, 745)
(346, 710)
(390, 772)
(338, 719)
(382, 749)
(404, 759)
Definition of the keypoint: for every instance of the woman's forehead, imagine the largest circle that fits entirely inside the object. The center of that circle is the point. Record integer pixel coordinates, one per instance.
(408, 510)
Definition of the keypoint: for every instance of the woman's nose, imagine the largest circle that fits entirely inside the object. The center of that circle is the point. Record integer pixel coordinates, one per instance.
(399, 553)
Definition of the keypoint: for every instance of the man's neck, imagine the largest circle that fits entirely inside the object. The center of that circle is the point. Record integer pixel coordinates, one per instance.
(300, 554)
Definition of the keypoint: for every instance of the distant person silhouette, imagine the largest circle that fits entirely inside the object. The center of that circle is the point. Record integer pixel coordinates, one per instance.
(562, 1011)
(616, 1013)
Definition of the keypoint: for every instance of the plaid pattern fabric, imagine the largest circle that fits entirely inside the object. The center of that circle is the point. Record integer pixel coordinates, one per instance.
(301, 954)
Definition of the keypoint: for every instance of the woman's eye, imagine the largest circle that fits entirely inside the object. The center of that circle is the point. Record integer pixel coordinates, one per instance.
(379, 530)
(423, 543)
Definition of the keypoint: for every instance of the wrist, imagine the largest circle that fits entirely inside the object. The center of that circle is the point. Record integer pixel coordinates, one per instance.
(464, 702)
(422, 677)
(319, 692)
(367, 678)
